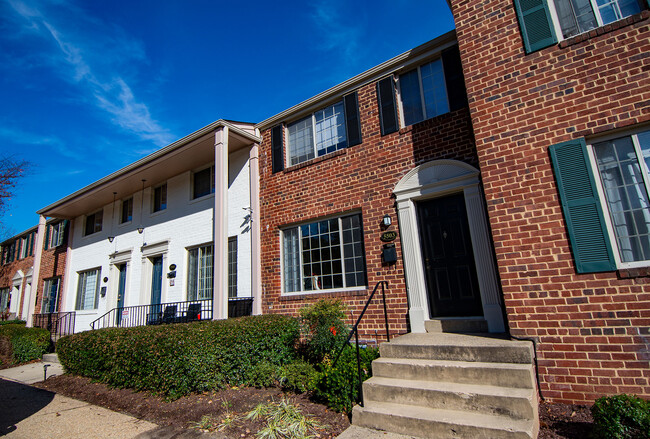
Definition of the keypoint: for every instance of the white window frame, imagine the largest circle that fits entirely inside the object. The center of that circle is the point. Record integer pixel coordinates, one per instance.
(199, 249)
(94, 215)
(312, 117)
(595, 9)
(24, 246)
(5, 298)
(153, 198)
(125, 200)
(212, 184)
(60, 229)
(301, 262)
(79, 305)
(232, 266)
(46, 293)
(611, 232)
(398, 89)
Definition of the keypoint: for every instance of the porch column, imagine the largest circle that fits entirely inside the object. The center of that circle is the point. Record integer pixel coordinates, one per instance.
(256, 242)
(38, 245)
(220, 257)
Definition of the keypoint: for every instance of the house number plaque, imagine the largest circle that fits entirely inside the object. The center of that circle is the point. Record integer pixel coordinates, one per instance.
(388, 236)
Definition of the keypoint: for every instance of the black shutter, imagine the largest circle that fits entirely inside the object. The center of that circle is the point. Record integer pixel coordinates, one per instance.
(583, 213)
(387, 106)
(66, 230)
(46, 243)
(277, 156)
(352, 123)
(535, 24)
(454, 80)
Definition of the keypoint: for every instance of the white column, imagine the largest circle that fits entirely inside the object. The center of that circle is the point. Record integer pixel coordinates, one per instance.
(414, 271)
(38, 254)
(485, 269)
(256, 241)
(220, 258)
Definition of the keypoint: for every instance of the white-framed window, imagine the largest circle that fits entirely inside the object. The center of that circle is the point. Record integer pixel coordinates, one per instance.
(159, 195)
(574, 17)
(324, 255)
(126, 214)
(5, 298)
(56, 234)
(423, 93)
(232, 266)
(93, 223)
(203, 182)
(622, 166)
(199, 273)
(317, 134)
(88, 289)
(24, 247)
(50, 295)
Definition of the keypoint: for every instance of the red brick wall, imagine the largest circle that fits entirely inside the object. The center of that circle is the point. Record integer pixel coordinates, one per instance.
(360, 178)
(8, 271)
(592, 329)
(52, 265)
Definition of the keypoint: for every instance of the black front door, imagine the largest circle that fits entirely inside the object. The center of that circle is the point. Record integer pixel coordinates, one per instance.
(449, 266)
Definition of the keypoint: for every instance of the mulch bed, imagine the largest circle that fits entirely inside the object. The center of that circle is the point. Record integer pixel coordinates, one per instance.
(188, 410)
(557, 421)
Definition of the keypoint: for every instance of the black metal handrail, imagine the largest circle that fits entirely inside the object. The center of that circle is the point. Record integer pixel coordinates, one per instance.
(355, 331)
(58, 323)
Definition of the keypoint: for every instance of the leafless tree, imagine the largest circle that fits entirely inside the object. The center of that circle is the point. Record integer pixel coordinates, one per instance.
(11, 170)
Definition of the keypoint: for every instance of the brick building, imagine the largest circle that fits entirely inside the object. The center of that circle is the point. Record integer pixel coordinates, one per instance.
(17, 259)
(560, 107)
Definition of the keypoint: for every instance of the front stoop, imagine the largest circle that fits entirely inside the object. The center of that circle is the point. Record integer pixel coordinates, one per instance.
(451, 385)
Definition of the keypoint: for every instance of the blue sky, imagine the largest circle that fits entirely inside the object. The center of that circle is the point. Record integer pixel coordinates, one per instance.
(87, 87)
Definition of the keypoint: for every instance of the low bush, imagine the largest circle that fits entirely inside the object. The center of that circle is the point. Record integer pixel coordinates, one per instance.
(621, 417)
(174, 360)
(12, 322)
(337, 385)
(323, 329)
(297, 376)
(27, 344)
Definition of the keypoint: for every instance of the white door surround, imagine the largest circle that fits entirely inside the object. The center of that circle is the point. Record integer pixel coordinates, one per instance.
(431, 180)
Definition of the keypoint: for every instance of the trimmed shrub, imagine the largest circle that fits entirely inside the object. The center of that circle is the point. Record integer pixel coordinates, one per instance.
(297, 376)
(338, 386)
(13, 322)
(323, 329)
(174, 360)
(27, 344)
(621, 417)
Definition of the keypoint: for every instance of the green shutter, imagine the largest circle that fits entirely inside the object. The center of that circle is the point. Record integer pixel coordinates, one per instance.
(535, 23)
(583, 213)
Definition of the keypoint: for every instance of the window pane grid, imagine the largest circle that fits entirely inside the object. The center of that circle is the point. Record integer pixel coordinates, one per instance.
(232, 267)
(87, 290)
(301, 140)
(330, 129)
(423, 92)
(200, 273)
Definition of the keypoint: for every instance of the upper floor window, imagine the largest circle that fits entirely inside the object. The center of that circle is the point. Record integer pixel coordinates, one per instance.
(578, 16)
(203, 183)
(87, 289)
(623, 165)
(93, 223)
(317, 134)
(423, 92)
(199, 273)
(324, 255)
(57, 232)
(160, 198)
(127, 211)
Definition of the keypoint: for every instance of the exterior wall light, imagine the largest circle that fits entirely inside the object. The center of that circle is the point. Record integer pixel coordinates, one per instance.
(386, 221)
(111, 238)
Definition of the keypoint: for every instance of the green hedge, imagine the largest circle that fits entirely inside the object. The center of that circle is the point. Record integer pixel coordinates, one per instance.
(27, 344)
(174, 360)
(12, 322)
(621, 417)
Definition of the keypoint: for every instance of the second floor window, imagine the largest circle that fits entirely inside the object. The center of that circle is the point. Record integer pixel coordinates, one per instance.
(423, 92)
(56, 234)
(203, 183)
(160, 198)
(93, 223)
(317, 134)
(127, 211)
(578, 16)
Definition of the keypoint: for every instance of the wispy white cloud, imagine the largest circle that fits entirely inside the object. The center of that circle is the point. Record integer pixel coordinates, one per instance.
(102, 77)
(335, 30)
(20, 137)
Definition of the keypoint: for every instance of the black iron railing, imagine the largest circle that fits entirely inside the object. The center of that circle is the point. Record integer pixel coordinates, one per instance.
(58, 323)
(355, 332)
(169, 312)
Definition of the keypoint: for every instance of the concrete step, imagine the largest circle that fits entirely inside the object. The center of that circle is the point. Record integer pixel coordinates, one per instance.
(458, 347)
(457, 324)
(427, 422)
(50, 358)
(520, 376)
(471, 398)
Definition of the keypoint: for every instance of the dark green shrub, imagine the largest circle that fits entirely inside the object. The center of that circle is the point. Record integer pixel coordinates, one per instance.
(27, 344)
(297, 376)
(621, 417)
(323, 328)
(338, 386)
(12, 322)
(264, 374)
(174, 360)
